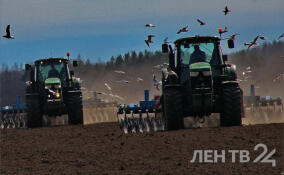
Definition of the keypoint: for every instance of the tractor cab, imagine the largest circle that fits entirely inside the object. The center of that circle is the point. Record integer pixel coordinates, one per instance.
(196, 49)
(52, 70)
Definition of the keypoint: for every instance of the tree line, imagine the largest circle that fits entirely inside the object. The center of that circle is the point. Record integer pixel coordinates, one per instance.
(12, 79)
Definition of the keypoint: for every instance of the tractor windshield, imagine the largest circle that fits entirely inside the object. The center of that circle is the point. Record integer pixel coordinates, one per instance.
(52, 69)
(199, 52)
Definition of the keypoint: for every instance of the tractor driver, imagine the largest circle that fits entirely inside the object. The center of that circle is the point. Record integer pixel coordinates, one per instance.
(197, 55)
(52, 73)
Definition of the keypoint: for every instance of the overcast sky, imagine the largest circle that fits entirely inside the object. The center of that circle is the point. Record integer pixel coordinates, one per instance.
(98, 29)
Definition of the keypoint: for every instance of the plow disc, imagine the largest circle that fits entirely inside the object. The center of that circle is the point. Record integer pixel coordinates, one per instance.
(265, 114)
(13, 120)
(129, 122)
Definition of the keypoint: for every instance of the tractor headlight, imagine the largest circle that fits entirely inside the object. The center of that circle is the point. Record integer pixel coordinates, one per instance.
(194, 74)
(207, 73)
(57, 95)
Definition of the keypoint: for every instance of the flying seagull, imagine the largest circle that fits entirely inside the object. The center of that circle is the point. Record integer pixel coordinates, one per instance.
(139, 79)
(226, 10)
(8, 33)
(184, 29)
(281, 36)
(254, 42)
(119, 72)
(150, 25)
(202, 23)
(123, 81)
(156, 82)
(108, 87)
(149, 40)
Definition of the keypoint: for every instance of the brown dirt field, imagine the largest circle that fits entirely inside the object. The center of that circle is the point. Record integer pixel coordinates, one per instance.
(103, 149)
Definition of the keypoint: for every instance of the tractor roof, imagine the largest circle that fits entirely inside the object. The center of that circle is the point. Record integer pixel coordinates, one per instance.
(197, 39)
(51, 60)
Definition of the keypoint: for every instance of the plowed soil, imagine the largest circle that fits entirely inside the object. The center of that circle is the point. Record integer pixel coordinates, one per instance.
(103, 149)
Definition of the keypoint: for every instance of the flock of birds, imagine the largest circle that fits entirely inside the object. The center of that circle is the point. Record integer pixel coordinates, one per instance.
(246, 75)
(220, 31)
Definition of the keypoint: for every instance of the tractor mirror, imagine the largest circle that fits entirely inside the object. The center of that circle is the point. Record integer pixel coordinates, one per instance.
(27, 66)
(71, 73)
(75, 63)
(231, 44)
(225, 58)
(165, 48)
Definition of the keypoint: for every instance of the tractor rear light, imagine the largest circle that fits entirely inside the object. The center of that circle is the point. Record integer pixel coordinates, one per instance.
(194, 74)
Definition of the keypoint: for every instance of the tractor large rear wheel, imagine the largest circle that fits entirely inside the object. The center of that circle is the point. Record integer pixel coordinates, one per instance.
(34, 116)
(172, 108)
(232, 106)
(75, 108)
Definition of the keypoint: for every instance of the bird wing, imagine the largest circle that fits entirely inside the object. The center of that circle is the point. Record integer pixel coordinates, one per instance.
(150, 37)
(147, 42)
(201, 22)
(8, 30)
(251, 44)
(281, 36)
(255, 39)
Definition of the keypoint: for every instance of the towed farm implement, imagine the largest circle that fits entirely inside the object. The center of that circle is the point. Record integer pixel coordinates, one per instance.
(13, 116)
(263, 108)
(140, 118)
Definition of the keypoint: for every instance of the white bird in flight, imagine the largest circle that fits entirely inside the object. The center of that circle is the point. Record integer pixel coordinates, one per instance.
(156, 82)
(108, 87)
(119, 72)
(139, 79)
(150, 25)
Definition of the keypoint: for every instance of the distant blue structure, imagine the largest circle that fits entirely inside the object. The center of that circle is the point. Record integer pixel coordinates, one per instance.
(256, 100)
(145, 106)
(15, 108)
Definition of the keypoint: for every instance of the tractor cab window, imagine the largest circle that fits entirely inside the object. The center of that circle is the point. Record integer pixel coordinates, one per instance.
(198, 52)
(54, 69)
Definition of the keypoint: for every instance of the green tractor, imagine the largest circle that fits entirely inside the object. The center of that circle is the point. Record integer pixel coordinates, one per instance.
(52, 91)
(202, 83)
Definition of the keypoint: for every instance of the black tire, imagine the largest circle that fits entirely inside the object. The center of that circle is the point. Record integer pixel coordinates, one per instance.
(232, 106)
(75, 108)
(34, 115)
(172, 108)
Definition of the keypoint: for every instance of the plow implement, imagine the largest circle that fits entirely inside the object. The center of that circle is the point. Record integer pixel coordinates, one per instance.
(264, 109)
(13, 116)
(145, 117)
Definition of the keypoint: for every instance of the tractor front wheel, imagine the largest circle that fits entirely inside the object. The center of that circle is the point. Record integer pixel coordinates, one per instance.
(34, 116)
(232, 106)
(75, 108)
(172, 108)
